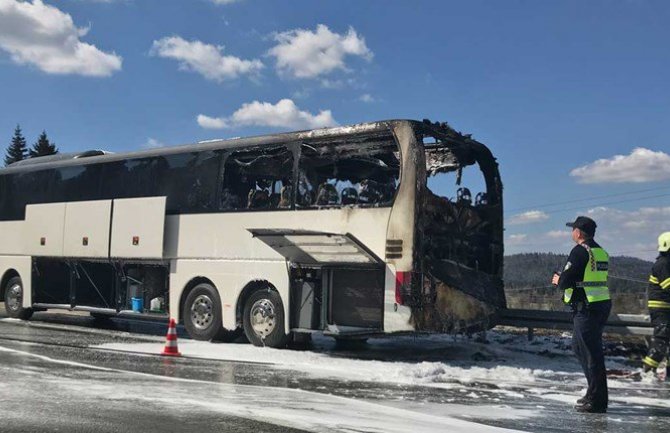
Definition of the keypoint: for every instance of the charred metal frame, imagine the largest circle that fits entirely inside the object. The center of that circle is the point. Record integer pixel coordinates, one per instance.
(436, 275)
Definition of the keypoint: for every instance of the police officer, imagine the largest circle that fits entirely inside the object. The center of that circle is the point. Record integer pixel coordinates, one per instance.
(659, 304)
(584, 285)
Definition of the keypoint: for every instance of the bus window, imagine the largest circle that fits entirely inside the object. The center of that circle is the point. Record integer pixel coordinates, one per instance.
(3, 197)
(340, 175)
(77, 183)
(11, 209)
(189, 180)
(36, 187)
(130, 178)
(456, 209)
(257, 179)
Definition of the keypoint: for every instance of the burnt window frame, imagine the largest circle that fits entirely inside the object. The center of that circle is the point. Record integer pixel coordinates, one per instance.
(397, 153)
(289, 147)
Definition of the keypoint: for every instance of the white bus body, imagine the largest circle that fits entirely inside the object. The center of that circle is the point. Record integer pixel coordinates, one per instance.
(329, 261)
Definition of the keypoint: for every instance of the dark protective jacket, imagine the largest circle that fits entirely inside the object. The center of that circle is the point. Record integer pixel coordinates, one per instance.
(659, 283)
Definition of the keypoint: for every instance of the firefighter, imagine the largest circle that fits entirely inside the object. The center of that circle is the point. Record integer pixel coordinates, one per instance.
(584, 285)
(659, 305)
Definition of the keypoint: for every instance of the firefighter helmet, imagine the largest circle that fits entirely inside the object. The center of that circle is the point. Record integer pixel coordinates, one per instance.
(664, 242)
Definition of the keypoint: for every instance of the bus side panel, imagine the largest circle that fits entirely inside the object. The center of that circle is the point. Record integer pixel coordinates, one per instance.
(227, 236)
(11, 237)
(401, 228)
(221, 248)
(230, 277)
(22, 265)
(43, 229)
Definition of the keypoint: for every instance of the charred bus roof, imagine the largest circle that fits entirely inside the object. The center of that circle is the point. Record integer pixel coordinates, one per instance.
(379, 129)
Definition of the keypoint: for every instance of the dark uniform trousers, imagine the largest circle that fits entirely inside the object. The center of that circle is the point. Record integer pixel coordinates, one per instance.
(660, 342)
(587, 342)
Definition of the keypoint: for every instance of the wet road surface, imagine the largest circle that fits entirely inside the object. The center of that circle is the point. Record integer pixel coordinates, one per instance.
(51, 379)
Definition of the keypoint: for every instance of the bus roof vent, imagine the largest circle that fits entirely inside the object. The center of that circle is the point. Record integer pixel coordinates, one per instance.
(58, 157)
(88, 153)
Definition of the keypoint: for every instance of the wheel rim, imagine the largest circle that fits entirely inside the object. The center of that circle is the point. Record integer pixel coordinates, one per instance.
(202, 312)
(14, 297)
(263, 317)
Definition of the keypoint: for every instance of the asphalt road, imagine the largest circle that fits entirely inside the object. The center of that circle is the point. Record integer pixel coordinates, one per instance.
(51, 379)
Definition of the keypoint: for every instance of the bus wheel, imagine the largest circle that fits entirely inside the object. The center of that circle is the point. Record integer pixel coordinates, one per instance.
(14, 300)
(264, 319)
(202, 313)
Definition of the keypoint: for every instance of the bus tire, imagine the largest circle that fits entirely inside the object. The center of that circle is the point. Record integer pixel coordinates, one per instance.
(202, 313)
(263, 319)
(14, 300)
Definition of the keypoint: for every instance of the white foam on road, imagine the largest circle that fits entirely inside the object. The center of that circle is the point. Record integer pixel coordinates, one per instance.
(332, 365)
(544, 368)
(281, 406)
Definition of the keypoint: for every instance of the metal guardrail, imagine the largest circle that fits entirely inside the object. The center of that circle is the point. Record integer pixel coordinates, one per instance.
(625, 324)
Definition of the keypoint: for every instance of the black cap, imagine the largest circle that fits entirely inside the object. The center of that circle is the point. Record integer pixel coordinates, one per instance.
(585, 224)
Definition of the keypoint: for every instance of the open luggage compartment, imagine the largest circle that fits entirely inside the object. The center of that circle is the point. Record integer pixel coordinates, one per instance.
(337, 285)
(337, 299)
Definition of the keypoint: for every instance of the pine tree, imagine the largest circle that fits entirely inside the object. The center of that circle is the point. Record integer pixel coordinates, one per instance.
(16, 151)
(43, 146)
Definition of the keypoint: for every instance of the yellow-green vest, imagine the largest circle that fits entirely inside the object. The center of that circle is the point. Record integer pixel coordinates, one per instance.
(595, 277)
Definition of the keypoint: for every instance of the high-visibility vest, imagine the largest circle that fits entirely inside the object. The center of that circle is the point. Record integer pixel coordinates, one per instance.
(595, 277)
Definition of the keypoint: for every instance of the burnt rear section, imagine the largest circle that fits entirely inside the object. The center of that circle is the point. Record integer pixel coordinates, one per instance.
(458, 286)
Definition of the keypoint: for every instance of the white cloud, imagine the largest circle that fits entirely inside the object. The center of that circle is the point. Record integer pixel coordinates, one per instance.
(517, 238)
(642, 165)
(621, 232)
(306, 54)
(204, 59)
(224, 2)
(631, 232)
(558, 234)
(212, 122)
(530, 217)
(302, 93)
(44, 36)
(366, 97)
(283, 114)
(152, 143)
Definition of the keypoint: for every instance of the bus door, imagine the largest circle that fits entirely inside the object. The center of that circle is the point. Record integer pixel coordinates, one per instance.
(337, 284)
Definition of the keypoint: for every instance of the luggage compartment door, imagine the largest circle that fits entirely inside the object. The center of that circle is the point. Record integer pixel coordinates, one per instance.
(87, 228)
(138, 226)
(316, 248)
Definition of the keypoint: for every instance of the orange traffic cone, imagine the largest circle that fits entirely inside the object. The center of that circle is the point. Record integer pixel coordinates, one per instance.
(170, 348)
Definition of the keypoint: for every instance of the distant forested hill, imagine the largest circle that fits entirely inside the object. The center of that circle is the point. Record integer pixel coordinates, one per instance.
(535, 270)
(528, 282)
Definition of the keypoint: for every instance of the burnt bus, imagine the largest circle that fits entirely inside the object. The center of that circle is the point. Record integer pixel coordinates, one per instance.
(376, 228)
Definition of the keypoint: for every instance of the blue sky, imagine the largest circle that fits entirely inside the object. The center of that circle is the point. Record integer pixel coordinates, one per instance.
(548, 86)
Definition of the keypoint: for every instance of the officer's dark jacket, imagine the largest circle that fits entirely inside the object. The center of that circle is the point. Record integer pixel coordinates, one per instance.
(573, 272)
(659, 283)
